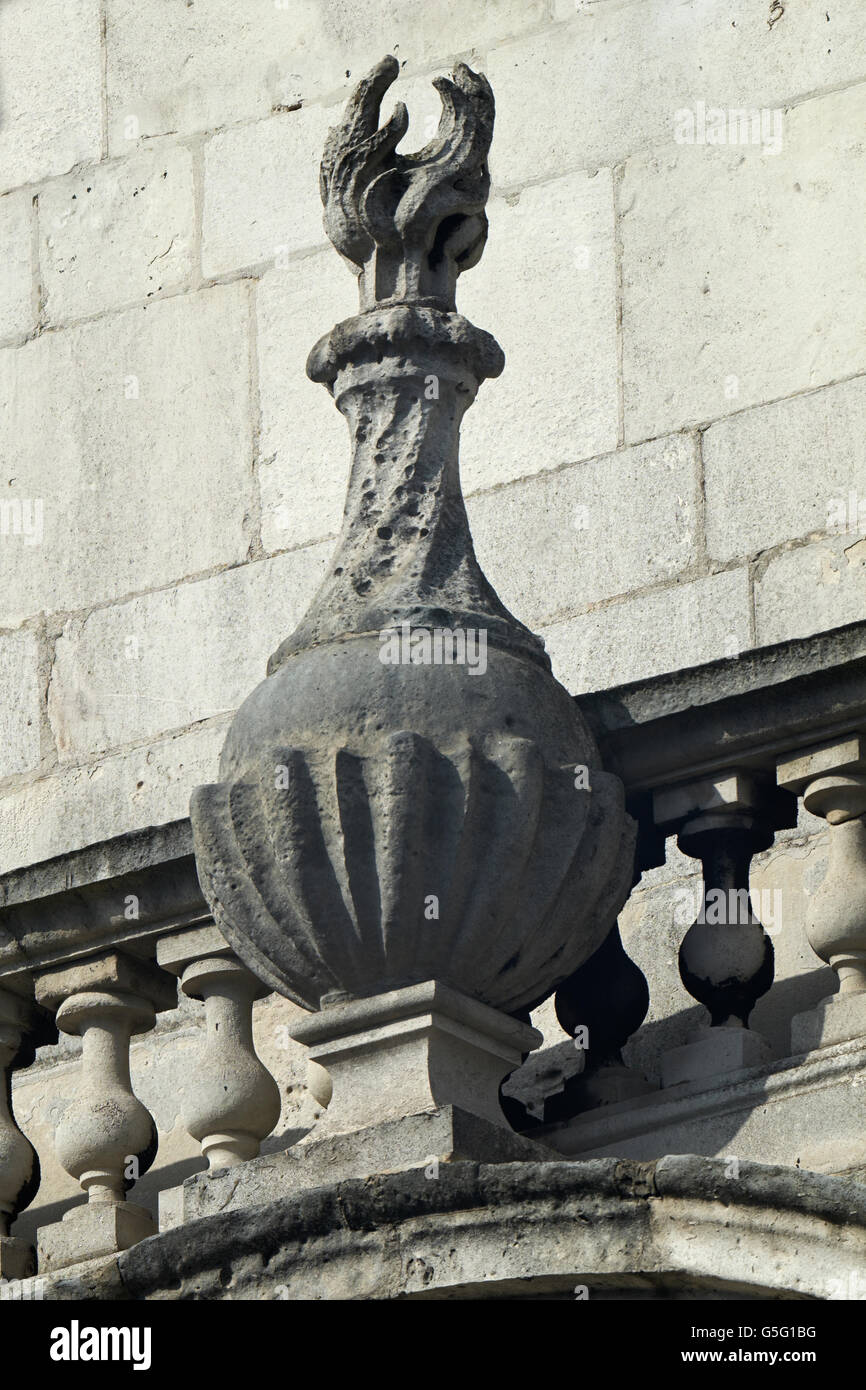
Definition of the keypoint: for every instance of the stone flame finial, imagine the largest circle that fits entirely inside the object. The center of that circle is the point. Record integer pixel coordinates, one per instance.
(409, 224)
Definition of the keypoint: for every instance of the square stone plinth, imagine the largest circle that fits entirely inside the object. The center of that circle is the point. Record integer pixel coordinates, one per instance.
(712, 1053)
(95, 1228)
(838, 1019)
(412, 1050)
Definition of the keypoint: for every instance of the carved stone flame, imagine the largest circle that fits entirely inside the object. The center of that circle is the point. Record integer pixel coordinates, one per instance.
(409, 224)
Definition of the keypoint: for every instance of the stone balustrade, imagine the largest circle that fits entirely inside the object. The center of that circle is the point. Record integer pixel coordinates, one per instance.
(721, 777)
(355, 801)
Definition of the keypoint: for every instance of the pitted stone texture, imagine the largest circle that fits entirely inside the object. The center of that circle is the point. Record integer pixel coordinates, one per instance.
(164, 660)
(20, 701)
(74, 808)
(303, 441)
(16, 282)
(567, 538)
(195, 68)
(116, 234)
(811, 588)
(781, 471)
(261, 201)
(593, 73)
(660, 630)
(516, 1229)
(119, 427)
(710, 322)
(52, 81)
(546, 288)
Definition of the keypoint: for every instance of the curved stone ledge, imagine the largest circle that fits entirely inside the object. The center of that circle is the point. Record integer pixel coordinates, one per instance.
(680, 1227)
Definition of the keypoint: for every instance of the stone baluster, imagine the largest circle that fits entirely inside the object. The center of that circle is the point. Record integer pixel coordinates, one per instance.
(235, 1102)
(831, 778)
(106, 1138)
(726, 957)
(601, 1005)
(19, 1165)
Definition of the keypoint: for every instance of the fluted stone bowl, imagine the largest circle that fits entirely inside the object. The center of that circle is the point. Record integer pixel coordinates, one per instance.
(376, 826)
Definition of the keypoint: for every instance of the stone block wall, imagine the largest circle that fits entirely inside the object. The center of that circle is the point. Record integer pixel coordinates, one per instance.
(670, 470)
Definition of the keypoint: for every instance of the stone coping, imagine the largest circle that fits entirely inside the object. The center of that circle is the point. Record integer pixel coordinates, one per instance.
(745, 710)
(619, 1228)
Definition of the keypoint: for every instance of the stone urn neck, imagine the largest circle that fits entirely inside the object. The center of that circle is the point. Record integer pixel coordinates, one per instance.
(404, 371)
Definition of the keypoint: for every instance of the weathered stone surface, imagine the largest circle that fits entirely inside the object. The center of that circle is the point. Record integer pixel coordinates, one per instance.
(657, 916)
(147, 786)
(16, 283)
(52, 79)
(166, 1076)
(166, 386)
(811, 588)
(512, 1230)
(164, 660)
(593, 73)
(690, 352)
(20, 699)
(260, 185)
(110, 972)
(547, 289)
(116, 234)
(565, 539)
(782, 471)
(302, 468)
(195, 68)
(662, 630)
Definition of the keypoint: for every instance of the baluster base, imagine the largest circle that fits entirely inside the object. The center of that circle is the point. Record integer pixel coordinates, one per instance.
(712, 1052)
(92, 1229)
(837, 1019)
